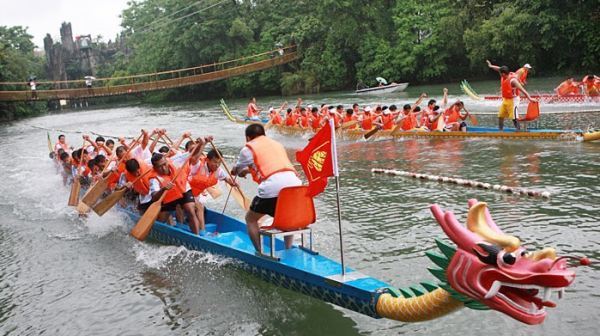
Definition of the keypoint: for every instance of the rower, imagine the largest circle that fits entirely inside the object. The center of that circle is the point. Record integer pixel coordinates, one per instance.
(266, 160)
(567, 88)
(253, 110)
(591, 85)
(508, 84)
(133, 170)
(453, 115)
(178, 192)
(316, 119)
(367, 119)
(205, 172)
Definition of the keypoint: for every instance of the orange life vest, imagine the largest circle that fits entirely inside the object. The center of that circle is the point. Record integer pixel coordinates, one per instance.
(178, 189)
(409, 122)
(291, 120)
(507, 90)
(367, 122)
(203, 179)
(141, 186)
(565, 88)
(304, 121)
(522, 77)
(252, 110)
(591, 87)
(316, 121)
(276, 119)
(113, 178)
(269, 158)
(388, 121)
(451, 115)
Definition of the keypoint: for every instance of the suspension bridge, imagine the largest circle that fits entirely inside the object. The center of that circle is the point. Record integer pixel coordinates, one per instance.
(127, 85)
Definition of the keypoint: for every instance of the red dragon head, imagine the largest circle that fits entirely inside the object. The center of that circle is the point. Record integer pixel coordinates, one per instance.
(490, 267)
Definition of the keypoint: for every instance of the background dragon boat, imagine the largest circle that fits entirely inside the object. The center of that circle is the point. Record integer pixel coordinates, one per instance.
(393, 87)
(546, 98)
(472, 132)
(486, 270)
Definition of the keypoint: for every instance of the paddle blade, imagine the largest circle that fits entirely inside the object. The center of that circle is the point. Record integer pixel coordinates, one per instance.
(269, 124)
(371, 132)
(141, 230)
(74, 195)
(349, 124)
(214, 192)
(106, 204)
(91, 196)
(239, 198)
(473, 120)
(82, 208)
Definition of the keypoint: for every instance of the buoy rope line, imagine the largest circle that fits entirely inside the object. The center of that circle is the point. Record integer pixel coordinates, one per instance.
(464, 182)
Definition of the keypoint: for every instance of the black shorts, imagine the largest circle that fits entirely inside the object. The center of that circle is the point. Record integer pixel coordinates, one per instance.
(142, 207)
(264, 205)
(187, 198)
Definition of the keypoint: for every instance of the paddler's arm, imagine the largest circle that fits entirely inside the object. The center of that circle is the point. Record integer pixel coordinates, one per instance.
(145, 138)
(418, 102)
(445, 98)
(245, 159)
(107, 150)
(515, 83)
(92, 143)
(154, 141)
(156, 191)
(493, 67)
(184, 136)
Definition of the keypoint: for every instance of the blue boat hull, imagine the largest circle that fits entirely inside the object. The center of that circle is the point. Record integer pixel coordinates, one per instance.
(298, 270)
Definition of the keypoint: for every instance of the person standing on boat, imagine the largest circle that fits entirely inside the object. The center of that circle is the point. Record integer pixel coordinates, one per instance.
(508, 83)
(253, 110)
(62, 144)
(521, 73)
(266, 160)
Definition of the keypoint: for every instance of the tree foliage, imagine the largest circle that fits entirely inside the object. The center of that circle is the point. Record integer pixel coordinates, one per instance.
(17, 63)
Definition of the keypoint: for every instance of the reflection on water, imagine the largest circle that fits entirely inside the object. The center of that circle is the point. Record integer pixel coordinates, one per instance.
(60, 275)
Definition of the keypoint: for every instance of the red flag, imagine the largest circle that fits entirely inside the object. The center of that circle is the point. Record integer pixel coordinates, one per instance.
(317, 160)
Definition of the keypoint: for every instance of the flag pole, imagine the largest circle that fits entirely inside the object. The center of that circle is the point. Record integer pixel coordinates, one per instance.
(337, 193)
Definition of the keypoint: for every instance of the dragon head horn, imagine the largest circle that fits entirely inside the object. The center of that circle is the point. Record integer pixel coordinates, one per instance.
(462, 237)
(478, 221)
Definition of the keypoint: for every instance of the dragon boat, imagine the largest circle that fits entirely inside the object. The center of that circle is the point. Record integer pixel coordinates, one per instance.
(487, 269)
(393, 87)
(473, 132)
(546, 98)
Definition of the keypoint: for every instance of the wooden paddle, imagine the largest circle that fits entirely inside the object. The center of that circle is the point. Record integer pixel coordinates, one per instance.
(214, 192)
(106, 204)
(372, 132)
(238, 195)
(141, 230)
(91, 197)
(472, 117)
(50, 149)
(349, 124)
(76, 186)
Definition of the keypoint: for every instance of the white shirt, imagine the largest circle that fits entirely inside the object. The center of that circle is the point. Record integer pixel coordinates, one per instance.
(221, 175)
(270, 187)
(143, 198)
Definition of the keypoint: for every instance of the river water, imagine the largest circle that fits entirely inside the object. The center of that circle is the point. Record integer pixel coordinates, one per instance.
(60, 275)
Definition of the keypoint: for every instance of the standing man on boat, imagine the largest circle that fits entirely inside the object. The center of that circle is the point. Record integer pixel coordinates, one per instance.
(508, 85)
(266, 160)
(253, 110)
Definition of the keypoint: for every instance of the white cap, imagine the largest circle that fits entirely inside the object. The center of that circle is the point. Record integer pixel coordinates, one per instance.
(386, 111)
(271, 109)
(368, 109)
(309, 107)
(527, 66)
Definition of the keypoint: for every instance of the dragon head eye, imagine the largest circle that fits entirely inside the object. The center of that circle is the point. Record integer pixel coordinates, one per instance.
(509, 258)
